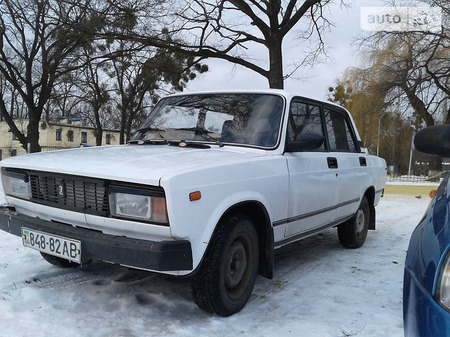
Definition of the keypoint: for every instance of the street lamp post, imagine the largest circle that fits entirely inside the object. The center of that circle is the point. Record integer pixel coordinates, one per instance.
(379, 131)
(411, 151)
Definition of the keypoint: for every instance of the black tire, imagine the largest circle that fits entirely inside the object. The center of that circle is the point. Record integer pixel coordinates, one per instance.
(353, 232)
(59, 262)
(224, 281)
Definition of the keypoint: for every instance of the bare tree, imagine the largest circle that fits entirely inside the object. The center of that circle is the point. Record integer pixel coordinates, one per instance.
(9, 102)
(413, 67)
(437, 65)
(38, 40)
(129, 91)
(65, 98)
(226, 29)
(399, 64)
(93, 90)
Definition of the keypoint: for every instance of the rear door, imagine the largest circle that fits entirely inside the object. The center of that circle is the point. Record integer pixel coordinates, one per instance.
(352, 171)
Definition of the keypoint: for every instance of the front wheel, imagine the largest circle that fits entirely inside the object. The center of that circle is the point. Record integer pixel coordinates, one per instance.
(224, 282)
(353, 232)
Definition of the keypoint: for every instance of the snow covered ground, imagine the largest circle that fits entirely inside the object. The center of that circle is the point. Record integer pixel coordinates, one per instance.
(319, 289)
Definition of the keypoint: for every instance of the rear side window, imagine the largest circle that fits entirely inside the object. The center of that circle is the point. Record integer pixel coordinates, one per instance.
(340, 133)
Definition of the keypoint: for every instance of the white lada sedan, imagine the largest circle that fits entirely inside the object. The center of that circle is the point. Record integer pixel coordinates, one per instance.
(210, 185)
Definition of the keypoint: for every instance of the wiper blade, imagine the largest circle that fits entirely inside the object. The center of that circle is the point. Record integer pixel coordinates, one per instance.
(186, 143)
(152, 129)
(204, 133)
(148, 142)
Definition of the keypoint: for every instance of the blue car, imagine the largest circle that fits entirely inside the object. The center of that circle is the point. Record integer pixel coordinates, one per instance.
(426, 287)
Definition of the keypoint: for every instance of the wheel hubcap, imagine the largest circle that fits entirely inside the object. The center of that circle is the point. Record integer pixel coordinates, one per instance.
(360, 220)
(237, 264)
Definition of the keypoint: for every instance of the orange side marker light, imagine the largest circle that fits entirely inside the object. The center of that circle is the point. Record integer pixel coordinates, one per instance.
(194, 196)
(432, 193)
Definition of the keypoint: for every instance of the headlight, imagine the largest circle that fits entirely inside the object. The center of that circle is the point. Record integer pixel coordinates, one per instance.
(443, 286)
(149, 206)
(16, 184)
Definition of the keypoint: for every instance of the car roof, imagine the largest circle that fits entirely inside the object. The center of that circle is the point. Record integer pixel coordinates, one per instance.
(281, 92)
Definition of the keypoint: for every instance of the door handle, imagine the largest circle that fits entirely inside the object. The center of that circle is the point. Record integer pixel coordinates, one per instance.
(362, 161)
(332, 162)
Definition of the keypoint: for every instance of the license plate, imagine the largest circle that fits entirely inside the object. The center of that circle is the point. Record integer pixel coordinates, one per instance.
(55, 245)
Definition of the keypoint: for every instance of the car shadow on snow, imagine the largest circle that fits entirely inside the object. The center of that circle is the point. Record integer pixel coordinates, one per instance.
(173, 294)
(113, 288)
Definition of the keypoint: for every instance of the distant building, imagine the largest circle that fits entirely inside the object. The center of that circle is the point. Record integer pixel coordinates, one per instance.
(63, 133)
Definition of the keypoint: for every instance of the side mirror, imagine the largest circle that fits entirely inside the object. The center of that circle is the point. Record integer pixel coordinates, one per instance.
(434, 140)
(307, 141)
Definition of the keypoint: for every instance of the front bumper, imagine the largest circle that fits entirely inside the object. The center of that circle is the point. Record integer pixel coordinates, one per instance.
(162, 256)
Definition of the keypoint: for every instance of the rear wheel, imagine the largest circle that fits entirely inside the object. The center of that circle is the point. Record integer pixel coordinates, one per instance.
(224, 282)
(353, 232)
(57, 261)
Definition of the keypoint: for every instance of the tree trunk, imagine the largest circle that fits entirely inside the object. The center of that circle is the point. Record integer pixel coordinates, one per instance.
(4, 115)
(122, 127)
(98, 126)
(419, 106)
(276, 80)
(128, 126)
(33, 133)
(98, 136)
(447, 117)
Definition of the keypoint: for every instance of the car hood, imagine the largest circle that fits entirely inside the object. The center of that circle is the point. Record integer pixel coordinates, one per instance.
(145, 164)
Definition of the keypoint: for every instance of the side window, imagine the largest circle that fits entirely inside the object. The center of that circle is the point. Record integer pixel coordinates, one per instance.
(340, 135)
(304, 118)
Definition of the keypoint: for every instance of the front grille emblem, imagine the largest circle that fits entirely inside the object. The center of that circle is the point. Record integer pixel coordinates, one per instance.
(61, 188)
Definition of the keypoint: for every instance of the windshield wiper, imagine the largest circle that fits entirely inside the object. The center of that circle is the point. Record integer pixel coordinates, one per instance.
(187, 143)
(148, 141)
(152, 129)
(203, 133)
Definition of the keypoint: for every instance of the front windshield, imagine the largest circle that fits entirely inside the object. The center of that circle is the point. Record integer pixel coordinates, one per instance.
(245, 119)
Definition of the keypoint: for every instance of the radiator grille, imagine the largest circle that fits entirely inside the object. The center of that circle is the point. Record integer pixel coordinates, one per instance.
(68, 192)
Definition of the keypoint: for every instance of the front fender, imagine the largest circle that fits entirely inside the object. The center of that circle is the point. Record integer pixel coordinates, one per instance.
(266, 184)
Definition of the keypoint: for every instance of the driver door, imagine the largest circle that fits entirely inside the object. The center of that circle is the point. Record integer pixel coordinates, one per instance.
(313, 174)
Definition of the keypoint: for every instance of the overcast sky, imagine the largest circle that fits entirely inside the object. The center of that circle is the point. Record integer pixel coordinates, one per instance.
(310, 82)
